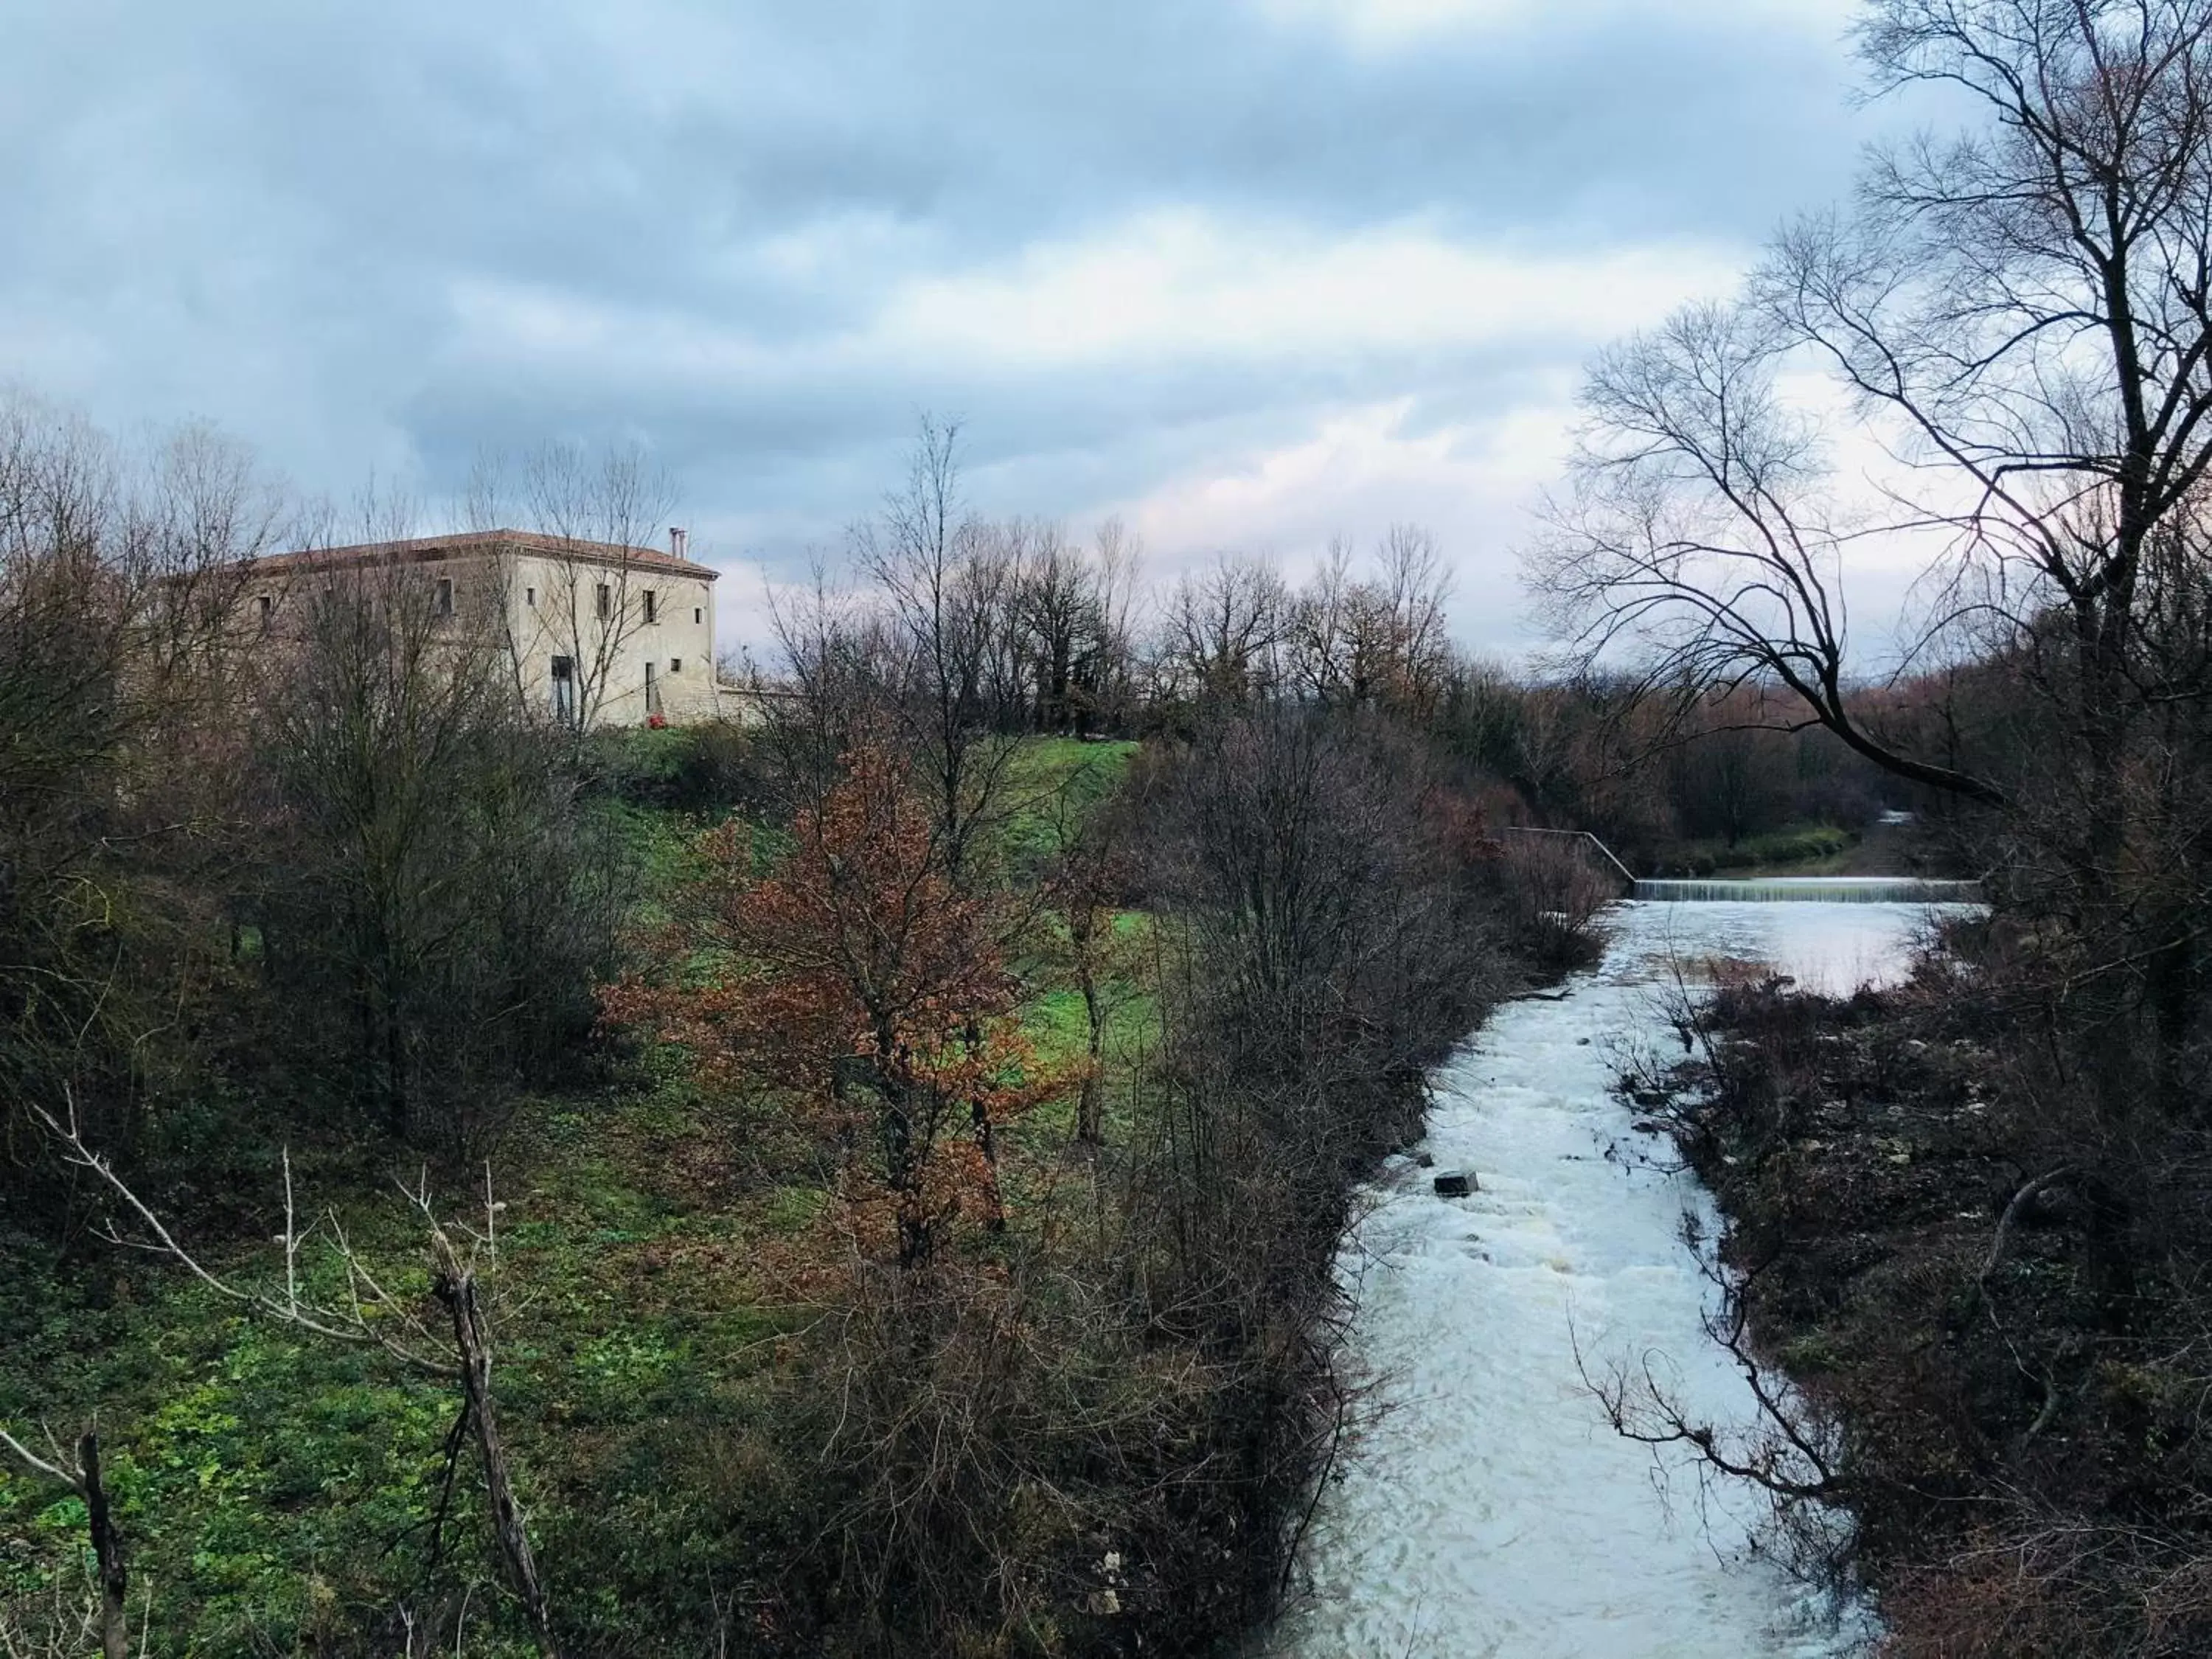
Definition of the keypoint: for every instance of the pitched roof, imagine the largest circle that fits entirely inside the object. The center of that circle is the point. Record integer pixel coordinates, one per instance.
(482, 543)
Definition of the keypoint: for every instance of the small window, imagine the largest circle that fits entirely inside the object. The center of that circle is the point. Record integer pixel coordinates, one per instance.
(530, 597)
(606, 602)
(650, 614)
(445, 596)
(564, 691)
(675, 665)
(265, 604)
(698, 614)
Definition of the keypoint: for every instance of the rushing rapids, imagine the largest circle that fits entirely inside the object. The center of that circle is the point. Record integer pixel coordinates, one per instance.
(1490, 1509)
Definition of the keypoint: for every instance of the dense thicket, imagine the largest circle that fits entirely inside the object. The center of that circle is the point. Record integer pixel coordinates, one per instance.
(1682, 779)
(1141, 1376)
(429, 900)
(117, 574)
(327, 869)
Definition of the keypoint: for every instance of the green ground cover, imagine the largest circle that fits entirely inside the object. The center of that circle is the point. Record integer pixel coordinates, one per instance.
(278, 1491)
(1042, 773)
(1801, 849)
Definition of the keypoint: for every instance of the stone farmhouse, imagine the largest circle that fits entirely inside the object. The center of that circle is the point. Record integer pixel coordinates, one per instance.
(595, 633)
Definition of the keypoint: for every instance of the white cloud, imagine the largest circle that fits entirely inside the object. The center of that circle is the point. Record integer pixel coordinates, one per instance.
(1126, 243)
(1168, 287)
(1476, 485)
(1187, 283)
(1375, 343)
(1395, 24)
(1364, 469)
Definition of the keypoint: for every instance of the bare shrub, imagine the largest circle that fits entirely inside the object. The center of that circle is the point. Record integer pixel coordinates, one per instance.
(117, 571)
(1555, 890)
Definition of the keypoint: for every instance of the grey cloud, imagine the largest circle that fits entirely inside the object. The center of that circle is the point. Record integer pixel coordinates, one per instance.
(264, 212)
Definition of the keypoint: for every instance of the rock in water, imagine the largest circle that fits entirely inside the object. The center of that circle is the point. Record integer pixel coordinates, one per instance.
(1456, 1183)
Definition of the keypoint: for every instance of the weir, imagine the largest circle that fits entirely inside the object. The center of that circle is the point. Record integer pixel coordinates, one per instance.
(1811, 889)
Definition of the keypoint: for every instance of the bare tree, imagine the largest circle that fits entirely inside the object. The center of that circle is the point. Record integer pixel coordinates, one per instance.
(78, 1471)
(2022, 315)
(1701, 533)
(611, 505)
(947, 587)
(835, 654)
(425, 886)
(1322, 634)
(119, 575)
(1120, 558)
(1086, 885)
(1223, 630)
(1058, 611)
(1416, 584)
(1378, 640)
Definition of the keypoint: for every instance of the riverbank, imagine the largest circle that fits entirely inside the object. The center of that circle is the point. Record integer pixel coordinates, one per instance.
(1891, 845)
(1996, 1342)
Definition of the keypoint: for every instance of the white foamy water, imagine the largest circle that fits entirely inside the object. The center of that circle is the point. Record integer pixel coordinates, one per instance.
(1492, 1510)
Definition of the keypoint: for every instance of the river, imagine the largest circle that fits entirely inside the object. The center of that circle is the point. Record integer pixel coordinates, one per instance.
(1490, 1509)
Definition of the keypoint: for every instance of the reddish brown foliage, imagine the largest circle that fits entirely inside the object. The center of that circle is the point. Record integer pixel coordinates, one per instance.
(863, 979)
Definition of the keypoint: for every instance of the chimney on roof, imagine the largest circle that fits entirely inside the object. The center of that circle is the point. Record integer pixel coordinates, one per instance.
(676, 540)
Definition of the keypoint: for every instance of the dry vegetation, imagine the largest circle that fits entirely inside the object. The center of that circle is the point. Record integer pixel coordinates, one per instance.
(869, 1184)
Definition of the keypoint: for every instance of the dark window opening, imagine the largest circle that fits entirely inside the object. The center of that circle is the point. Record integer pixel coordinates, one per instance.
(649, 607)
(530, 597)
(265, 605)
(564, 691)
(698, 614)
(445, 596)
(675, 665)
(606, 602)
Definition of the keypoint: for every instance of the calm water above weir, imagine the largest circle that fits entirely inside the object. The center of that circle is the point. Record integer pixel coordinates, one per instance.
(1492, 1510)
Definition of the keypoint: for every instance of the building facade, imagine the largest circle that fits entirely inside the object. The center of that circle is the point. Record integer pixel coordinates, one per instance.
(592, 632)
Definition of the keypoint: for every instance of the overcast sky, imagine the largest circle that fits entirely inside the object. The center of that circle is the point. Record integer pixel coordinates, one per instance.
(1248, 272)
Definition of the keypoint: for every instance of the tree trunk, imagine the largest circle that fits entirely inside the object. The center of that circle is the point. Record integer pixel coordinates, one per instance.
(457, 1288)
(1090, 1104)
(987, 1137)
(107, 1550)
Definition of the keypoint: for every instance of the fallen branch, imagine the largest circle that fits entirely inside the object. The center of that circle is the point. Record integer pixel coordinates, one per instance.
(352, 1322)
(371, 1315)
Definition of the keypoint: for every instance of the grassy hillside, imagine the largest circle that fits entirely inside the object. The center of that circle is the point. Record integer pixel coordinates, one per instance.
(282, 1494)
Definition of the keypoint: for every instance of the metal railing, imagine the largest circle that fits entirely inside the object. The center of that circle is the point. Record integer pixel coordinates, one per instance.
(1604, 852)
